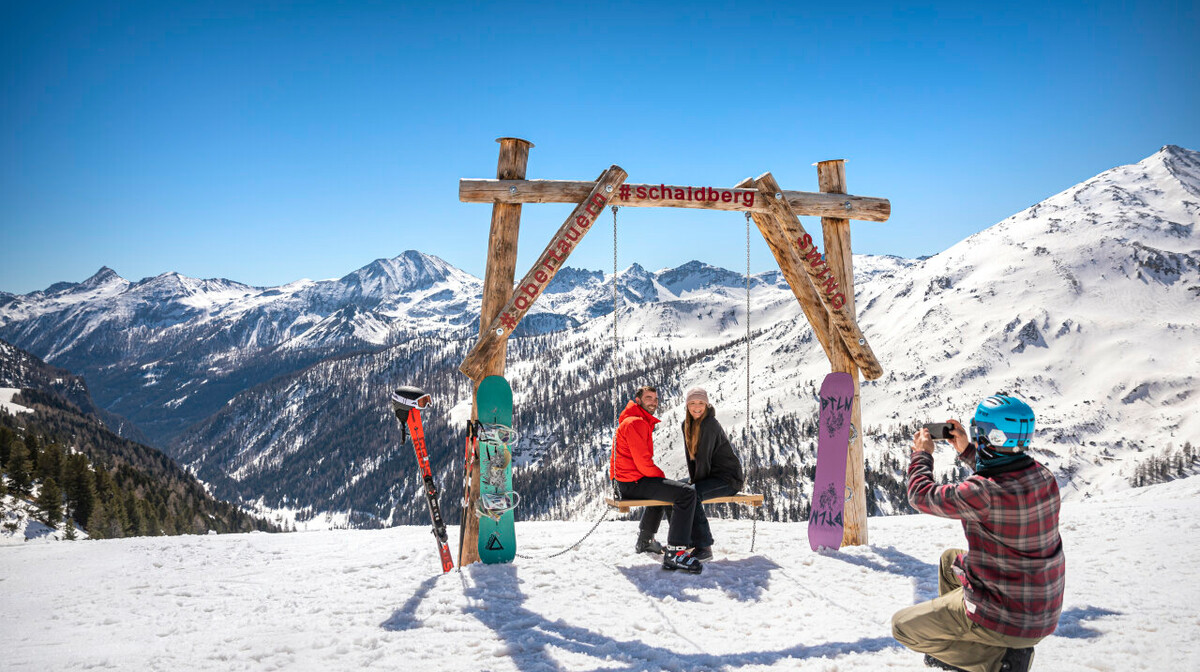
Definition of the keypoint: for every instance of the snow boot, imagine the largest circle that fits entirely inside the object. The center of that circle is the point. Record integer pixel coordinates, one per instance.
(1017, 660)
(646, 543)
(930, 661)
(677, 557)
(702, 553)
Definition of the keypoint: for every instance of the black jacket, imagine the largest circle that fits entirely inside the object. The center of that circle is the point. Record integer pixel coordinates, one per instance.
(714, 454)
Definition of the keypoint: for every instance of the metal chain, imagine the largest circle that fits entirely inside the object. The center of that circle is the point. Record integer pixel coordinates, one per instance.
(572, 547)
(616, 338)
(747, 327)
(616, 395)
(754, 525)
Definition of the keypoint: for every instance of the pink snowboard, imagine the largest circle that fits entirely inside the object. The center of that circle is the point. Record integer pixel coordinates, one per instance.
(833, 442)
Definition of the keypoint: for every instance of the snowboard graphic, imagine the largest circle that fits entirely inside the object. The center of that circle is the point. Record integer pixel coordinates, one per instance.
(833, 443)
(497, 533)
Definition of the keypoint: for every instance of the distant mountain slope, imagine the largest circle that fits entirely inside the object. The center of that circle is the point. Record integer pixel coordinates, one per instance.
(169, 351)
(1086, 304)
(112, 487)
(19, 369)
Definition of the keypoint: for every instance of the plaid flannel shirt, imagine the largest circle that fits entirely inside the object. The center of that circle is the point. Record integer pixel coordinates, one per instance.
(1014, 566)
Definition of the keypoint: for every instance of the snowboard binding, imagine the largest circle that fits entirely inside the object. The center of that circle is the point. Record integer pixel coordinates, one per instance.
(494, 505)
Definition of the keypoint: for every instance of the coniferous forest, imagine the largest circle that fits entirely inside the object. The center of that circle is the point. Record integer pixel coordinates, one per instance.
(77, 473)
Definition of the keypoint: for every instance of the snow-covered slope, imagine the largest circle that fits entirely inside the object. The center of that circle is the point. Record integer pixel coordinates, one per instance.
(375, 600)
(1087, 303)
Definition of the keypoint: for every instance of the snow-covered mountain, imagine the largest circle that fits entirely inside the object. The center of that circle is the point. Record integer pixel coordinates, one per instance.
(170, 350)
(1088, 304)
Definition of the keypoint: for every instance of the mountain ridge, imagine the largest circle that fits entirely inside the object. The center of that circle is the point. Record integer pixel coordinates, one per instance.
(1106, 271)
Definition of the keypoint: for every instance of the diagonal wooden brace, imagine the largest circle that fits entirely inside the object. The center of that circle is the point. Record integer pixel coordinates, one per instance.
(797, 279)
(578, 223)
(822, 278)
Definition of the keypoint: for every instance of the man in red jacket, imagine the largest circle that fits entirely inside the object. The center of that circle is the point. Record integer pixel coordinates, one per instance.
(637, 477)
(1002, 595)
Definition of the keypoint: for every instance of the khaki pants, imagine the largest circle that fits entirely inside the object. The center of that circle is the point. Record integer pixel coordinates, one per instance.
(940, 627)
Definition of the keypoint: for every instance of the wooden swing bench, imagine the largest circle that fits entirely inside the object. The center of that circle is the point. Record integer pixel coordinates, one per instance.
(624, 505)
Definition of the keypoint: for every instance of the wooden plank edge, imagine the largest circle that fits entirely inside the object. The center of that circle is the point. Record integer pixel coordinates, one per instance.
(624, 505)
(804, 203)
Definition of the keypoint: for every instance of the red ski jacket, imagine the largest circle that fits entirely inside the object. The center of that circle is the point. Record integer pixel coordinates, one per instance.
(633, 446)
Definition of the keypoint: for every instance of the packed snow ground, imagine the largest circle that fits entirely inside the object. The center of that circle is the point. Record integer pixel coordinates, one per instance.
(349, 600)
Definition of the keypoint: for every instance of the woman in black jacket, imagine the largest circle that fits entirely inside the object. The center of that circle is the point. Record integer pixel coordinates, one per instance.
(714, 468)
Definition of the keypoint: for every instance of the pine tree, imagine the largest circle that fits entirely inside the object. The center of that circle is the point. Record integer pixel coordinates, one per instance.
(7, 439)
(20, 470)
(78, 487)
(97, 524)
(69, 530)
(34, 447)
(49, 501)
(50, 463)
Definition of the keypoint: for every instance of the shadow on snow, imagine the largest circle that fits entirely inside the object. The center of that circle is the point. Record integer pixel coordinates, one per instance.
(742, 580)
(531, 640)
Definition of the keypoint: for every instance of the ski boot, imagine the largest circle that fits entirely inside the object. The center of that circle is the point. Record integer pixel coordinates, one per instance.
(1017, 660)
(646, 543)
(678, 557)
(930, 661)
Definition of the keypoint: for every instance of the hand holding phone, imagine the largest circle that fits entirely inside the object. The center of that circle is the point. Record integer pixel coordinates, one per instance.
(940, 431)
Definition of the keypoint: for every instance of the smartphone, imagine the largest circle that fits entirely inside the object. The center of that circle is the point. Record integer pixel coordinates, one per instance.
(940, 431)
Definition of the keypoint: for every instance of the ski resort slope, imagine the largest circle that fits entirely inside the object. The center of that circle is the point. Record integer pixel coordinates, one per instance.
(349, 600)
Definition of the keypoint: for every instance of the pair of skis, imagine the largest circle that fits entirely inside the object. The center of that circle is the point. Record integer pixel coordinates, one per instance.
(488, 447)
(407, 403)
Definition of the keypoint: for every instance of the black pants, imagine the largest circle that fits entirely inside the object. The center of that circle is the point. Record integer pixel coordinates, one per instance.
(683, 511)
(701, 532)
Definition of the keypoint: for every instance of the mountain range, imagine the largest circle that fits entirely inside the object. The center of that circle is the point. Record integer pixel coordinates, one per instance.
(1086, 304)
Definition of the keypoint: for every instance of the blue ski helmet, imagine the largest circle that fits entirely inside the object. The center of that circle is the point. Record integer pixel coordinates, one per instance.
(1004, 422)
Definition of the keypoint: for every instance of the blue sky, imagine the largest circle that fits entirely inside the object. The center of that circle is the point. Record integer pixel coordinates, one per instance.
(268, 142)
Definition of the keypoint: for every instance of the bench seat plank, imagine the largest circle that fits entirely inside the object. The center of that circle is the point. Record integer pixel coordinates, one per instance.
(623, 505)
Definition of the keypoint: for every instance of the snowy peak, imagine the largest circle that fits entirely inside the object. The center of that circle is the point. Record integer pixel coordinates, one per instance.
(637, 284)
(409, 272)
(570, 279)
(1183, 164)
(102, 277)
(697, 275)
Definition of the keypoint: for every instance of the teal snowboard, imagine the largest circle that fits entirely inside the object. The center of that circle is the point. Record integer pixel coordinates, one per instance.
(497, 531)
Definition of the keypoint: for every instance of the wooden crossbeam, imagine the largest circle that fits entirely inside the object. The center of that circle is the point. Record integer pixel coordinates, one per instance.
(623, 505)
(804, 203)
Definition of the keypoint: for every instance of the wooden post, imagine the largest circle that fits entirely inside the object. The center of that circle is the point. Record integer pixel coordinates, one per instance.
(831, 178)
(497, 289)
(577, 224)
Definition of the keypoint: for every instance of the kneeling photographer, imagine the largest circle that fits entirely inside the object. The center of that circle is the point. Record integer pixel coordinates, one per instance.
(1003, 594)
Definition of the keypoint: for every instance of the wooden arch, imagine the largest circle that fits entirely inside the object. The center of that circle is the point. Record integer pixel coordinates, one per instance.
(822, 284)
